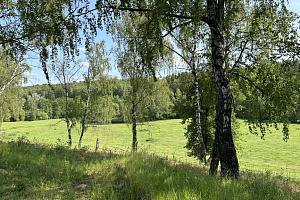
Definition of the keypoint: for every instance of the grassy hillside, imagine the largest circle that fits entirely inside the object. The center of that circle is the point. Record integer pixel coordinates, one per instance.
(166, 139)
(31, 171)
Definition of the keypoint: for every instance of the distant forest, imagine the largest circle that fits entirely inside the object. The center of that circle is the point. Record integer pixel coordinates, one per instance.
(171, 97)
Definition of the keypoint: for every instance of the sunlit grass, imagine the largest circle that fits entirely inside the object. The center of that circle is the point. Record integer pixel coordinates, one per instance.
(166, 139)
(271, 153)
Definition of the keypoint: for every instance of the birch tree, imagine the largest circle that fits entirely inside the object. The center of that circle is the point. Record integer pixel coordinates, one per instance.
(133, 64)
(95, 78)
(130, 69)
(192, 52)
(65, 72)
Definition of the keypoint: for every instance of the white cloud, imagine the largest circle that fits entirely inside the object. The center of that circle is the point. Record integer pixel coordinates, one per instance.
(82, 49)
(85, 64)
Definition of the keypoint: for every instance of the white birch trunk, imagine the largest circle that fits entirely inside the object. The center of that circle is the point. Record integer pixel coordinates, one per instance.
(202, 148)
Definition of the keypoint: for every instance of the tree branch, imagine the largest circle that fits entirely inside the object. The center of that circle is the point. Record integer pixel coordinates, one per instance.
(172, 29)
(14, 73)
(179, 16)
(251, 82)
(239, 58)
(161, 36)
(181, 56)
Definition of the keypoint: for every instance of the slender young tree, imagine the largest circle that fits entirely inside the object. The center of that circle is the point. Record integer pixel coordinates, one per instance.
(129, 66)
(85, 114)
(130, 69)
(133, 65)
(188, 41)
(65, 72)
(98, 65)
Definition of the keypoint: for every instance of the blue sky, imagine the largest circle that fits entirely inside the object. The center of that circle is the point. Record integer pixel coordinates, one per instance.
(294, 6)
(36, 76)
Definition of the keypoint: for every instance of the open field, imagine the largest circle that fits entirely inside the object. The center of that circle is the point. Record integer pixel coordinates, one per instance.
(165, 138)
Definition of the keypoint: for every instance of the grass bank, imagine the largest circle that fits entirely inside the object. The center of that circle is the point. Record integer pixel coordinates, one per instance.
(31, 171)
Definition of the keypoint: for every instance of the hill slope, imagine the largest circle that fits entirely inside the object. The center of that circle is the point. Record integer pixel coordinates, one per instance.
(30, 171)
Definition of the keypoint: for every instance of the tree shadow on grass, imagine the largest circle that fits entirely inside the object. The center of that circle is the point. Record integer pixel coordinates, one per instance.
(153, 177)
(35, 171)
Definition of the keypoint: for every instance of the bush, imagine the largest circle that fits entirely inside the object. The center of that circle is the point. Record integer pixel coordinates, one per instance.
(117, 120)
(30, 116)
(42, 115)
(22, 115)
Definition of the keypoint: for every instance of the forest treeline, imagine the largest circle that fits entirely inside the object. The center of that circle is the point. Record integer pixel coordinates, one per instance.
(171, 97)
(41, 102)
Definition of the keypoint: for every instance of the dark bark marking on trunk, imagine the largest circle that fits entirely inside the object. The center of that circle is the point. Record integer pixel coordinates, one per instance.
(134, 132)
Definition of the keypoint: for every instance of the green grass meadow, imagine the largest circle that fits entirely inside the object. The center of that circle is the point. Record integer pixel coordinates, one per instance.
(165, 138)
(271, 153)
(36, 164)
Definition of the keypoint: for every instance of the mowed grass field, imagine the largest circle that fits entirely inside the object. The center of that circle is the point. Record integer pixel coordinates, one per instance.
(166, 139)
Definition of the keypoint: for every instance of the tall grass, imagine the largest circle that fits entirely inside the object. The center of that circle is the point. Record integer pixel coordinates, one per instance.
(31, 171)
